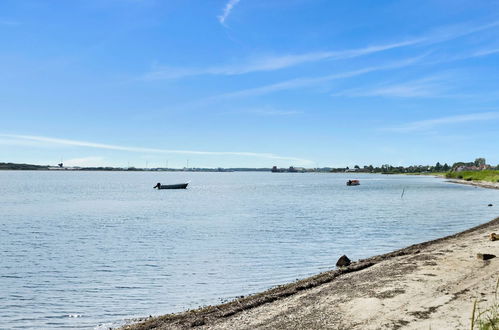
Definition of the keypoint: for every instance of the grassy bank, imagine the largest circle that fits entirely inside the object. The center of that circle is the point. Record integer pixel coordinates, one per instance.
(487, 175)
(429, 173)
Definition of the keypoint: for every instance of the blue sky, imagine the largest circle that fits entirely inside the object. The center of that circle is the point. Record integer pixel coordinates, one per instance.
(248, 83)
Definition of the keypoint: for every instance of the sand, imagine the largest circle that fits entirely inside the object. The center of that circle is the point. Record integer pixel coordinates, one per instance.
(483, 184)
(432, 285)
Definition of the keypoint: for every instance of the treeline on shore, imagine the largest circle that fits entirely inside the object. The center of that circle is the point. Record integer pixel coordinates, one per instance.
(479, 165)
(390, 169)
(30, 167)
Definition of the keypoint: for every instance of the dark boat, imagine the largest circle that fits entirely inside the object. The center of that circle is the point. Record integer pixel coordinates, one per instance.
(171, 186)
(353, 182)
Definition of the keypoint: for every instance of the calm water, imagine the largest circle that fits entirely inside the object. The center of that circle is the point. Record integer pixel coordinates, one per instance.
(90, 249)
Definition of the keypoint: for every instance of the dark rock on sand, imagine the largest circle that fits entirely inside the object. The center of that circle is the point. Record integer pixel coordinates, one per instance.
(343, 261)
(485, 256)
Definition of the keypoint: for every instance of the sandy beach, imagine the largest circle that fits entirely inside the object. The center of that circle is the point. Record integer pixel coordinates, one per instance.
(432, 285)
(482, 184)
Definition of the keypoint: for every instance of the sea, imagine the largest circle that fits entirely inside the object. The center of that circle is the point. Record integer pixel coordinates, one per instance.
(93, 250)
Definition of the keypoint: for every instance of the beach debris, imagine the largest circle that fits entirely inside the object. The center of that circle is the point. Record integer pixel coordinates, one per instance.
(485, 256)
(490, 205)
(494, 237)
(198, 322)
(343, 261)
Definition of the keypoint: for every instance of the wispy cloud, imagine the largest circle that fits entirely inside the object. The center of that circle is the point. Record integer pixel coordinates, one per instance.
(75, 143)
(275, 112)
(432, 123)
(227, 10)
(305, 82)
(486, 52)
(277, 62)
(266, 111)
(434, 86)
(451, 32)
(270, 63)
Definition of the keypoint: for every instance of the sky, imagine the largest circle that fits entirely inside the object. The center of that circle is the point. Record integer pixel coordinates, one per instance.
(248, 83)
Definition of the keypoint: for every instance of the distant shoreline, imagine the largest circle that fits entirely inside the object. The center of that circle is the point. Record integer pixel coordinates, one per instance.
(31, 167)
(384, 169)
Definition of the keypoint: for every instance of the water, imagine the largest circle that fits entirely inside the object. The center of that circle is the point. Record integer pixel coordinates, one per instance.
(91, 249)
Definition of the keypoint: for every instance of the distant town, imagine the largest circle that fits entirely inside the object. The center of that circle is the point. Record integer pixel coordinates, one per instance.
(478, 165)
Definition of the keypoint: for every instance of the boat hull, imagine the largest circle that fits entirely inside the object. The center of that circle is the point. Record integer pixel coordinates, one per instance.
(173, 186)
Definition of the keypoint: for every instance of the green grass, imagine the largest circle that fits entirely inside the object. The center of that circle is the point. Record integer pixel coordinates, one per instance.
(428, 173)
(488, 319)
(486, 175)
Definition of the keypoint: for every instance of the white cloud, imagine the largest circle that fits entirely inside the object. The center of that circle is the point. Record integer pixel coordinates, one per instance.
(15, 142)
(432, 123)
(276, 62)
(269, 63)
(304, 82)
(227, 10)
(447, 33)
(266, 111)
(275, 112)
(486, 52)
(433, 86)
(75, 143)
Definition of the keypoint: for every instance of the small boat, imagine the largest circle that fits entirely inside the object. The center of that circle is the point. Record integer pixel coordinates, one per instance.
(171, 186)
(353, 182)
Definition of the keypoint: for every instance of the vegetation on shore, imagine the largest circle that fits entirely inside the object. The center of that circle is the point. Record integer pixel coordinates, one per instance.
(389, 169)
(487, 319)
(485, 175)
(470, 171)
(31, 167)
(442, 174)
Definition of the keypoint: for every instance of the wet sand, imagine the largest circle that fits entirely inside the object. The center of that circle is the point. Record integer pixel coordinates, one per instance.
(432, 285)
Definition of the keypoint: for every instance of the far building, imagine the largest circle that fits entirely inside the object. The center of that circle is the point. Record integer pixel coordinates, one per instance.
(478, 165)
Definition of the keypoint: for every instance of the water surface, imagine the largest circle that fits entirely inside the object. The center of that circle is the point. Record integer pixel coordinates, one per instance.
(91, 249)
